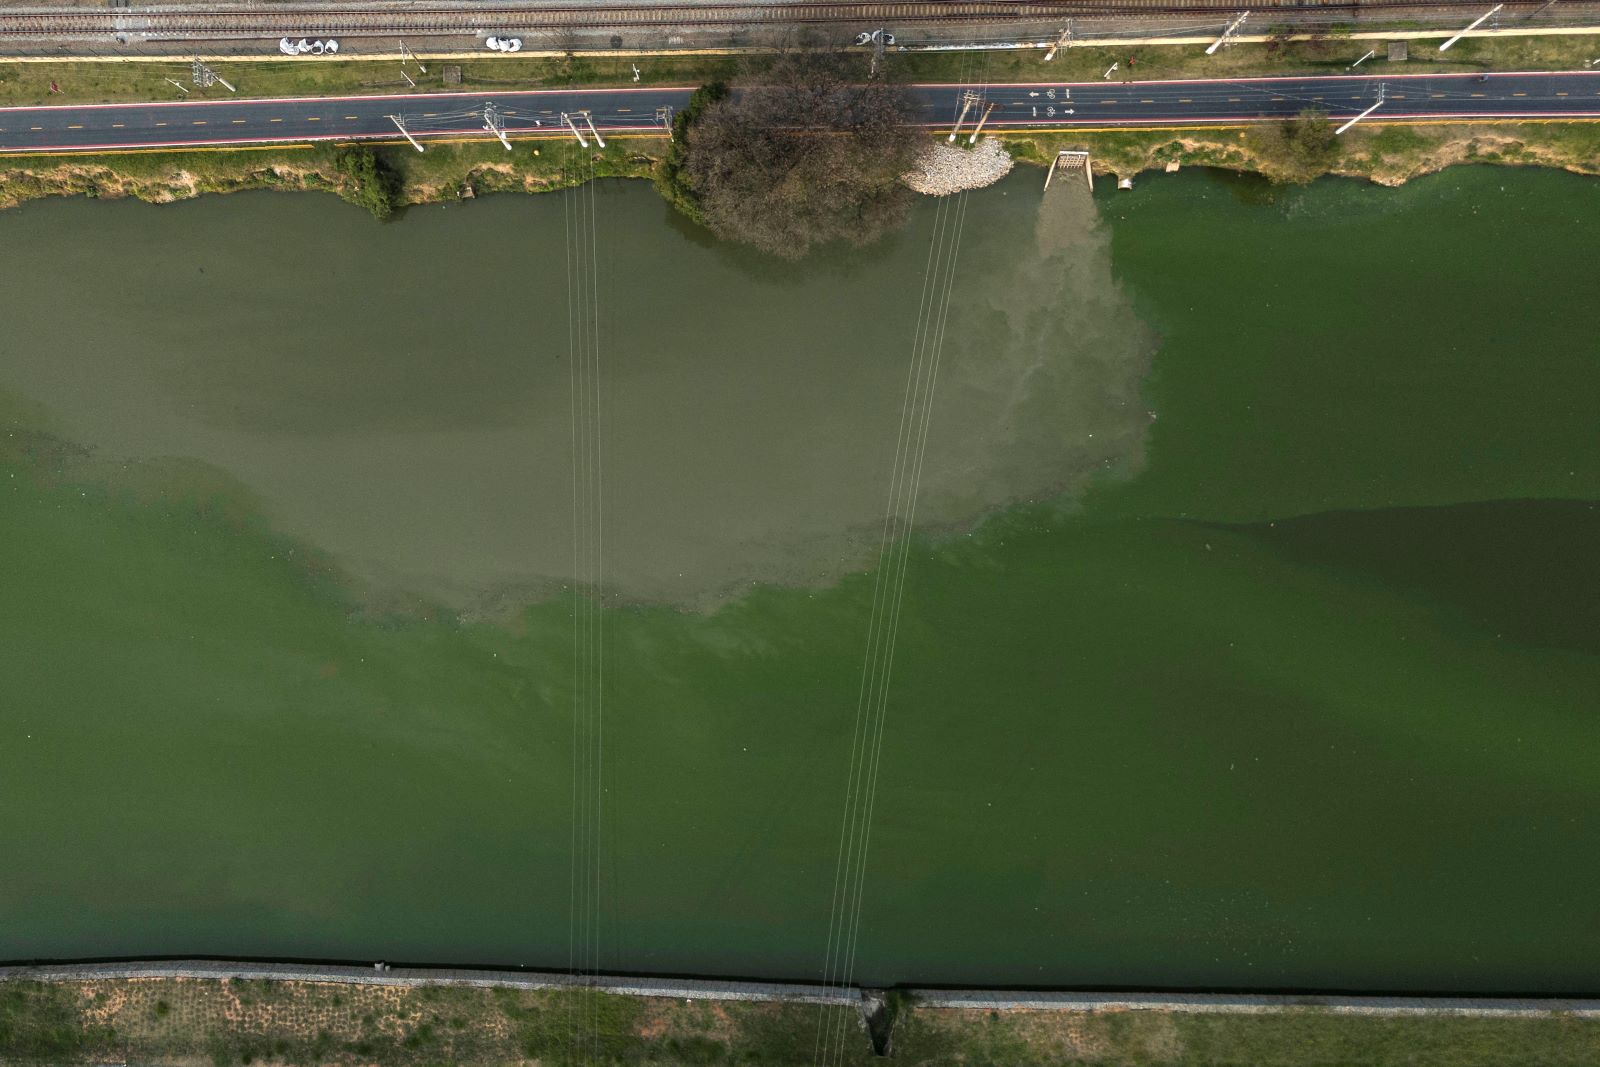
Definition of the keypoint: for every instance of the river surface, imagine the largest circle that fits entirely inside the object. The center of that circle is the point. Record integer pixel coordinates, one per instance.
(1251, 634)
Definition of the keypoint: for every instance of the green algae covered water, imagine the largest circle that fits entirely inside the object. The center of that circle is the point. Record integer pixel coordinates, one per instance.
(1252, 638)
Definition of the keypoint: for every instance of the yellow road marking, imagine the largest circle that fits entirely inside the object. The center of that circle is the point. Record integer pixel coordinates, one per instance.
(1397, 96)
(35, 127)
(116, 125)
(313, 118)
(161, 124)
(1233, 99)
(74, 127)
(1147, 101)
(430, 114)
(1186, 100)
(1108, 101)
(1561, 94)
(274, 120)
(350, 118)
(1519, 94)
(1477, 94)
(1437, 96)
(199, 122)
(238, 122)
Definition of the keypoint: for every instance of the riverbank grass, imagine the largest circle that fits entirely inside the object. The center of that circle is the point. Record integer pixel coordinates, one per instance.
(1300, 1037)
(242, 1022)
(446, 171)
(1387, 154)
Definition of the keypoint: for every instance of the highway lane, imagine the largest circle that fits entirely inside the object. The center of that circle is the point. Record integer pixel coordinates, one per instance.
(1124, 104)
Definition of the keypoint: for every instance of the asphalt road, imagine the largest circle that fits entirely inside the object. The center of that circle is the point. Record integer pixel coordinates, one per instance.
(1125, 104)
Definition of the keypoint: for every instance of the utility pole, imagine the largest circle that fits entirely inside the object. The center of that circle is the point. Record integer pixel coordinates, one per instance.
(877, 51)
(407, 77)
(492, 123)
(587, 117)
(1064, 41)
(1370, 53)
(969, 100)
(400, 124)
(1364, 114)
(1110, 71)
(979, 128)
(179, 85)
(1480, 20)
(205, 77)
(573, 126)
(1227, 34)
(664, 116)
(406, 53)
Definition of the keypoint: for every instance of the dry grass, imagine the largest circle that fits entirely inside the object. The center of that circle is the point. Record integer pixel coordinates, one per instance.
(1388, 155)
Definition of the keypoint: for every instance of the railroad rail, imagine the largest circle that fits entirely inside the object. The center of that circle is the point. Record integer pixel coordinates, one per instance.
(242, 21)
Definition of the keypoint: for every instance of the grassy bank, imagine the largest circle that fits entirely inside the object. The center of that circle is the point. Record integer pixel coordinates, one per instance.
(1388, 155)
(445, 172)
(1385, 154)
(303, 1023)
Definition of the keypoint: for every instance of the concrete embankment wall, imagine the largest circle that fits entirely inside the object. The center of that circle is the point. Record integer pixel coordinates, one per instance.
(701, 989)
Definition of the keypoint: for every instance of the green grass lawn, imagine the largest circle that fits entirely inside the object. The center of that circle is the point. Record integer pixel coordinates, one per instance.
(29, 83)
(1294, 1038)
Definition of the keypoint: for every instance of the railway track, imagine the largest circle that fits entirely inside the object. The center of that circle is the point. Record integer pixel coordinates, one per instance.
(427, 21)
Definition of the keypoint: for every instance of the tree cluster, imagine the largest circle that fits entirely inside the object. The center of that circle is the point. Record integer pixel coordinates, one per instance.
(1309, 143)
(367, 181)
(808, 153)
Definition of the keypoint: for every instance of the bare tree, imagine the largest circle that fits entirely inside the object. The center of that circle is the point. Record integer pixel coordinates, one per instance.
(807, 153)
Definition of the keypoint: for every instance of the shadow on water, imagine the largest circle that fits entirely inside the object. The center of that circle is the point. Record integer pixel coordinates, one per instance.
(1251, 189)
(833, 261)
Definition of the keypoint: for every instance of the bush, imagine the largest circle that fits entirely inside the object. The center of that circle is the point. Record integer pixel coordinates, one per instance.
(39, 1022)
(672, 177)
(1297, 149)
(367, 181)
(809, 153)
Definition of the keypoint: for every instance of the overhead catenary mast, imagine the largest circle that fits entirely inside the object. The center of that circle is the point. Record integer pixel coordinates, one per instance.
(492, 124)
(400, 124)
(573, 126)
(205, 77)
(1364, 114)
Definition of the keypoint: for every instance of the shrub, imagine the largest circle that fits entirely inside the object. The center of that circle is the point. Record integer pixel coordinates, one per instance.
(367, 181)
(672, 177)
